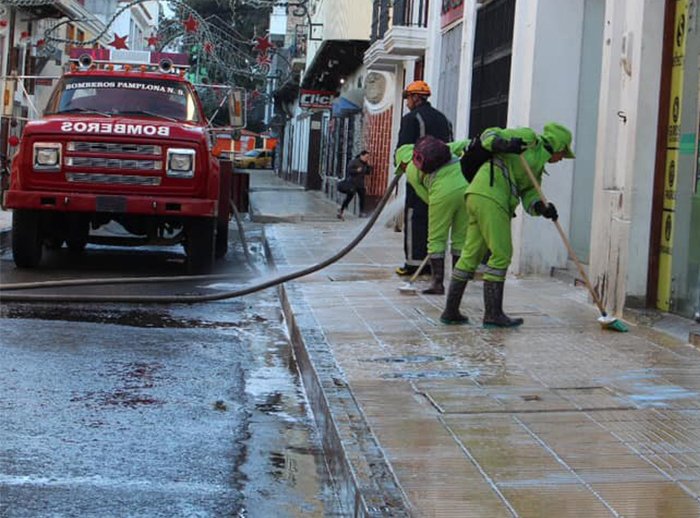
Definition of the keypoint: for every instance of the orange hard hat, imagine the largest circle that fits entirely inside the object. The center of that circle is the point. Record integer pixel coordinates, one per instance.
(418, 88)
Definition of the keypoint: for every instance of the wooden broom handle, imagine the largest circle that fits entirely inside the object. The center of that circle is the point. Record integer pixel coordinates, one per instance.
(565, 239)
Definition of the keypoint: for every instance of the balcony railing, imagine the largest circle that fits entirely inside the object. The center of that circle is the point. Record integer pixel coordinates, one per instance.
(411, 13)
(380, 19)
(405, 13)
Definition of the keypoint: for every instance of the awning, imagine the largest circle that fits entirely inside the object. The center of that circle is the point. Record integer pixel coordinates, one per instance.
(334, 60)
(342, 107)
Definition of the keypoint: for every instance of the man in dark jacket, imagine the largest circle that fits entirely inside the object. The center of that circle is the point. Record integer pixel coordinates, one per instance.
(421, 120)
(356, 171)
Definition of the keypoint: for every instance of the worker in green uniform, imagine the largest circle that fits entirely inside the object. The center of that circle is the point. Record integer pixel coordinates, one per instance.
(443, 190)
(491, 200)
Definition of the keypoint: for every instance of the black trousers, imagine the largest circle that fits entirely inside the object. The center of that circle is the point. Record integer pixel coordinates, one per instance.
(415, 232)
(349, 196)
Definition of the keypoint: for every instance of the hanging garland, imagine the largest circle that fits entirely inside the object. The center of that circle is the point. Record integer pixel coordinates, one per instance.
(222, 53)
(227, 56)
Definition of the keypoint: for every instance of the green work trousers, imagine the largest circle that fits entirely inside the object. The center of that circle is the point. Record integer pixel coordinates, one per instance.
(488, 228)
(448, 212)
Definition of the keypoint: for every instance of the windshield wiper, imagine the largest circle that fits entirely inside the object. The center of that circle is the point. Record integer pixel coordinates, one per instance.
(82, 110)
(146, 112)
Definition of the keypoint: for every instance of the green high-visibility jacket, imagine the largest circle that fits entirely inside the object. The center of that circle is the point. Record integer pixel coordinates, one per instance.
(509, 183)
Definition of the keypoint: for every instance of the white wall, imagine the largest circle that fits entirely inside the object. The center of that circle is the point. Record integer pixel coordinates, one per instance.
(300, 152)
(626, 150)
(432, 50)
(461, 124)
(138, 22)
(340, 20)
(586, 128)
(544, 85)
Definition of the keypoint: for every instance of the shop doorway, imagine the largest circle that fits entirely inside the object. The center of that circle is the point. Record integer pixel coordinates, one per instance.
(493, 46)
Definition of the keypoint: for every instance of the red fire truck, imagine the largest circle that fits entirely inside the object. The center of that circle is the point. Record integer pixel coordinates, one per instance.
(123, 139)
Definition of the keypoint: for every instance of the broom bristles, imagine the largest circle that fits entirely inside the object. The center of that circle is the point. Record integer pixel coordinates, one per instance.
(612, 324)
(618, 326)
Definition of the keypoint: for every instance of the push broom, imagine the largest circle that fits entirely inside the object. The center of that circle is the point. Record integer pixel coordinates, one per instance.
(409, 288)
(606, 321)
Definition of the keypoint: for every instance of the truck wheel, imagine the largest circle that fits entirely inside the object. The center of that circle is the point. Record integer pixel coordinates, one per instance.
(26, 238)
(199, 247)
(221, 239)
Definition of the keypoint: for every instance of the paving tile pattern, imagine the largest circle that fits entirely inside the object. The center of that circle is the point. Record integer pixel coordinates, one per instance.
(557, 418)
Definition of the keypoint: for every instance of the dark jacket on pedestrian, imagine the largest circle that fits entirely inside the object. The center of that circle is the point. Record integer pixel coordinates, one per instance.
(424, 120)
(356, 172)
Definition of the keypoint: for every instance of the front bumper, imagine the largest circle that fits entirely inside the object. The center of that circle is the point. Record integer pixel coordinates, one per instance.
(118, 204)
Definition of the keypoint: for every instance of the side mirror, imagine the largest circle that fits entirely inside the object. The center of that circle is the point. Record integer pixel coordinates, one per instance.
(237, 107)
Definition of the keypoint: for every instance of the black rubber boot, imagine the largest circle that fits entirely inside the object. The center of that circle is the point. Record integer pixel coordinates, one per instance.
(493, 307)
(451, 315)
(437, 266)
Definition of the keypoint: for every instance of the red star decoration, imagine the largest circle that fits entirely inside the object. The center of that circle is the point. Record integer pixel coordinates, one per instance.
(152, 40)
(254, 95)
(119, 42)
(41, 42)
(191, 24)
(263, 45)
(264, 59)
(208, 47)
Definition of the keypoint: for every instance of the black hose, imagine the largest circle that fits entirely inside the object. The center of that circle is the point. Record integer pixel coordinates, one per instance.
(174, 299)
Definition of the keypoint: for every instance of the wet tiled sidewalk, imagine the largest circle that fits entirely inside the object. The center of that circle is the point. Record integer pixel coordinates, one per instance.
(557, 418)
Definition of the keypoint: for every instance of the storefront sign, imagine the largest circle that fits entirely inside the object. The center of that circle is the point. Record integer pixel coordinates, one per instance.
(318, 99)
(451, 10)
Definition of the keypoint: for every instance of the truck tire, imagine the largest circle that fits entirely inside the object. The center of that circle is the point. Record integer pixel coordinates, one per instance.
(221, 239)
(53, 243)
(199, 245)
(26, 238)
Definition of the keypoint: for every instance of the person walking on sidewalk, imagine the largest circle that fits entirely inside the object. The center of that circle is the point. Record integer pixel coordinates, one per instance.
(434, 172)
(356, 171)
(421, 120)
(491, 200)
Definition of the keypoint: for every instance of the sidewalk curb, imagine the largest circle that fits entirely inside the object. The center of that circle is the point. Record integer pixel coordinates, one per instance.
(365, 483)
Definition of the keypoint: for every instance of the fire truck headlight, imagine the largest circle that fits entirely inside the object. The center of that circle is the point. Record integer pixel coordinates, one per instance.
(180, 163)
(47, 156)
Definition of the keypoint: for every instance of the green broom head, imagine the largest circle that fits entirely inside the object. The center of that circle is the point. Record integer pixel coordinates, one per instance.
(612, 324)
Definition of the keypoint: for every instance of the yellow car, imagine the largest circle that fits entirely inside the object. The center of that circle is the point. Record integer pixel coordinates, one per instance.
(254, 159)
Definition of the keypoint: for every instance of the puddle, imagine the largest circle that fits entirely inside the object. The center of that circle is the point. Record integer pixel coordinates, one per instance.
(151, 318)
(659, 396)
(133, 382)
(429, 375)
(424, 358)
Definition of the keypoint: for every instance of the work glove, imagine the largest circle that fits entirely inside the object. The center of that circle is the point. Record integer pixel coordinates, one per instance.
(548, 211)
(514, 145)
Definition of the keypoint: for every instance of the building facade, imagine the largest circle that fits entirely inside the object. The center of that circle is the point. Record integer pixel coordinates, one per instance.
(35, 41)
(621, 74)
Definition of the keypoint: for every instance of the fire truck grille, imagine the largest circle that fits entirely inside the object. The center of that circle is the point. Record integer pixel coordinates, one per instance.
(114, 163)
(121, 179)
(113, 147)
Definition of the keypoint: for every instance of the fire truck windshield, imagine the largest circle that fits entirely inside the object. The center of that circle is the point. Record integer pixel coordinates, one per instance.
(110, 96)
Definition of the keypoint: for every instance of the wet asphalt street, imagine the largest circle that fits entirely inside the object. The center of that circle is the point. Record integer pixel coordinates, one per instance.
(153, 410)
